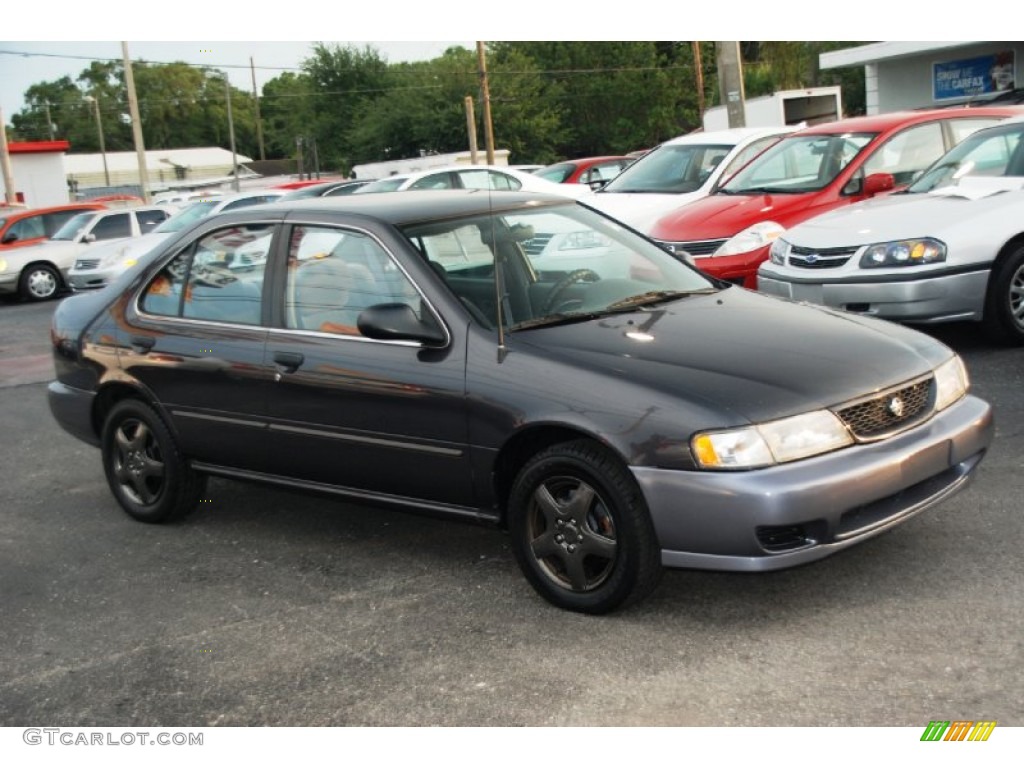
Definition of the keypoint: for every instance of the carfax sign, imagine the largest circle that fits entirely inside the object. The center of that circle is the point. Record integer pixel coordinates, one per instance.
(971, 77)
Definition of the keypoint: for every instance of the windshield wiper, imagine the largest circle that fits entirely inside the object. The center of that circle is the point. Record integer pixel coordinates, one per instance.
(655, 297)
(759, 191)
(562, 318)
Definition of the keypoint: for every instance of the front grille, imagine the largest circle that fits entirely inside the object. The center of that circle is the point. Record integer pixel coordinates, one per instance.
(692, 247)
(819, 258)
(536, 244)
(892, 411)
(87, 263)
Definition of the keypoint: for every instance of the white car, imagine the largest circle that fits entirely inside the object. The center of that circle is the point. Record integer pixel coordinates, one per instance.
(38, 272)
(98, 267)
(496, 178)
(681, 171)
(950, 248)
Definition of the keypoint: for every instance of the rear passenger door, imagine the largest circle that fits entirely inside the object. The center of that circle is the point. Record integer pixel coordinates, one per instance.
(195, 338)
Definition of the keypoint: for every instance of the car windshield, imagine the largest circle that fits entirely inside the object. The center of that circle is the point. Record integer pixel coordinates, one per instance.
(798, 164)
(74, 227)
(187, 217)
(390, 184)
(551, 265)
(992, 152)
(670, 168)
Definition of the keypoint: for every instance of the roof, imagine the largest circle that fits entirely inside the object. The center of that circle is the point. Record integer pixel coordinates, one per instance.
(401, 208)
(868, 54)
(156, 159)
(29, 147)
(729, 136)
(889, 120)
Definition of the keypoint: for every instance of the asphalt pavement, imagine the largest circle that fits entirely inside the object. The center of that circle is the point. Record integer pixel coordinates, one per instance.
(269, 607)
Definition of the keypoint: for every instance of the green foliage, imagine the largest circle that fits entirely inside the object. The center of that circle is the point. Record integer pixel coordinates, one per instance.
(549, 100)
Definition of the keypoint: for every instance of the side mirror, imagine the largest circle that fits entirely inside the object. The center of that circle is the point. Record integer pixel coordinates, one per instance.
(397, 322)
(89, 238)
(878, 182)
(596, 184)
(10, 237)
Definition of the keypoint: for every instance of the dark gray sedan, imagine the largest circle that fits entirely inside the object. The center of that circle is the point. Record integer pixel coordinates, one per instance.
(515, 360)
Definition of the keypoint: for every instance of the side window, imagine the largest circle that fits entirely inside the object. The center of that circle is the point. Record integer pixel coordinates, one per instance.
(110, 227)
(54, 221)
(747, 154)
(907, 153)
(28, 228)
(326, 290)
(502, 182)
(219, 278)
(434, 181)
(148, 219)
(961, 129)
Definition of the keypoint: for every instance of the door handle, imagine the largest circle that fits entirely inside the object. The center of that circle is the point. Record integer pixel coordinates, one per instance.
(288, 362)
(142, 344)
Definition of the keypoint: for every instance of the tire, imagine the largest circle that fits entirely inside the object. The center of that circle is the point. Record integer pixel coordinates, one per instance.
(146, 471)
(1004, 304)
(581, 531)
(39, 282)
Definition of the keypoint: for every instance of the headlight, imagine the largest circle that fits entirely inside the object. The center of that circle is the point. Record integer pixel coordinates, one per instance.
(904, 253)
(951, 383)
(777, 254)
(3, 265)
(751, 238)
(112, 258)
(775, 442)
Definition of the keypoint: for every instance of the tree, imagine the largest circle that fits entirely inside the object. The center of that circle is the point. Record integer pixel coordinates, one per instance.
(286, 107)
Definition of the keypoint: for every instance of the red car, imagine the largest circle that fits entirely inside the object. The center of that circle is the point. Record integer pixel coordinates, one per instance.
(729, 233)
(28, 226)
(585, 170)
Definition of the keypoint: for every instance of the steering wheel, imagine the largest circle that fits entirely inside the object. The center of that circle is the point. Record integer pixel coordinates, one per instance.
(576, 276)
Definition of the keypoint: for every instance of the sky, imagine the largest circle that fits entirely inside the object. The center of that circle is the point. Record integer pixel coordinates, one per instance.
(277, 36)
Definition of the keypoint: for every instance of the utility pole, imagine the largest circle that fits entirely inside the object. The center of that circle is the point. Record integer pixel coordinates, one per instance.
(133, 109)
(49, 122)
(231, 133)
(5, 162)
(699, 67)
(485, 91)
(99, 130)
(256, 101)
(730, 82)
(471, 129)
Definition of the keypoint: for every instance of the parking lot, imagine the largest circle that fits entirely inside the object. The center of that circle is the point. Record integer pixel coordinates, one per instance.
(273, 608)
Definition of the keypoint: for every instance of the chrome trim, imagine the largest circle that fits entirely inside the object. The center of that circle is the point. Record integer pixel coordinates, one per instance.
(418, 447)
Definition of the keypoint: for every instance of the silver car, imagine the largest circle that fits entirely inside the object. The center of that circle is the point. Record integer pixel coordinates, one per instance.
(950, 248)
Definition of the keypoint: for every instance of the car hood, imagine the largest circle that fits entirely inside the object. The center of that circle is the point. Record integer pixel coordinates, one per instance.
(743, 355)
(722, 216)
(131, 247)
(641, 210)
(895, 217)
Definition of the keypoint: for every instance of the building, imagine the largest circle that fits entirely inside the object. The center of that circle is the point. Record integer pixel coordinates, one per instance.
(166, 168)
(38, 171)
(912, 75)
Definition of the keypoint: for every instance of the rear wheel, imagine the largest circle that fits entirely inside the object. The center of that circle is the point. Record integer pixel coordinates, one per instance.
(581, 531)
(39, 282)
(1004, 305)
(146, 472)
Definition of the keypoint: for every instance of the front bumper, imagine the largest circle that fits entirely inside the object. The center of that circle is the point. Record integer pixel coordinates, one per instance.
(901, 297)
(9, 282)
(787, 515)
(740, 269)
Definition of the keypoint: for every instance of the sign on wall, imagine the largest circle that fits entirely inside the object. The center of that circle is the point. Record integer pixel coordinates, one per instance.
(971, 77)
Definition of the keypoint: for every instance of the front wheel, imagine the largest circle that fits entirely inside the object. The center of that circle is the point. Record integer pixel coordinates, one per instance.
(146, 472)
(39, 282)
(1004, 305)
(581, 531)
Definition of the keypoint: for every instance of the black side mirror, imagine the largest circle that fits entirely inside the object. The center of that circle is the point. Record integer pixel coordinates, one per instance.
(10, 237)
(397, 322)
